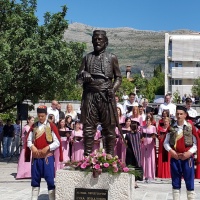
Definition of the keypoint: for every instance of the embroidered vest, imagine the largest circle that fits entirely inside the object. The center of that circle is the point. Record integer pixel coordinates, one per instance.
(43, 137)
(187, 134)
(103, 63)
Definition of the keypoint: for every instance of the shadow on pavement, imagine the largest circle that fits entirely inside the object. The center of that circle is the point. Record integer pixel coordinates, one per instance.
(14, 175)
(43, 197)
(13, 159)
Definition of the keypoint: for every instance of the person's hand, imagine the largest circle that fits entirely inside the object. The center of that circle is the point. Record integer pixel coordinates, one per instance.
(86, 77)
(44, 151)
(111, 92)
(35, 152)
(67, 135)
(185, 155)
(142, 139)
(154, 136)
(173, 154)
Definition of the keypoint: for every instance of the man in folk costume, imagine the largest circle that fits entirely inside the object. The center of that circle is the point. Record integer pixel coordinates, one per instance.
(42, 140)
(181, 143)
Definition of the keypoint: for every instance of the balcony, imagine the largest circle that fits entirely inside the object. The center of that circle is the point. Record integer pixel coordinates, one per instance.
(185, 72)
(183, 89)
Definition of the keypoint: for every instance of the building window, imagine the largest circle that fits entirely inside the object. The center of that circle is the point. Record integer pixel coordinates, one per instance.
(175, 82)
(177, 64)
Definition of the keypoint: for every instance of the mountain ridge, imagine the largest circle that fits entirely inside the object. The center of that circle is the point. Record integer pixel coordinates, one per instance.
(141, 49)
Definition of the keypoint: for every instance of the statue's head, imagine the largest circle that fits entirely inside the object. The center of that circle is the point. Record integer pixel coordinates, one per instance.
(99, 40)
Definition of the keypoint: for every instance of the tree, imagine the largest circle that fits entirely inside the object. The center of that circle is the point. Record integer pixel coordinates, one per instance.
(140, 83)
(196, 87)
(35, 61)
(150, 87)
(126, 86)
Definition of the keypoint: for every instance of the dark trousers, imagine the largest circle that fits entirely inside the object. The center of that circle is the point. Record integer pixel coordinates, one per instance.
(98, 111)
(43, 168)
(185, 169)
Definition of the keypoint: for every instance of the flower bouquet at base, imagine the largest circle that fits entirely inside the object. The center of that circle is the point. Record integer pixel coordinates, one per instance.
(99, 162)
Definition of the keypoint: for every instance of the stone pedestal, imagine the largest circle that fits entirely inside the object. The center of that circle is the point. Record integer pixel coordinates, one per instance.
(119, 186)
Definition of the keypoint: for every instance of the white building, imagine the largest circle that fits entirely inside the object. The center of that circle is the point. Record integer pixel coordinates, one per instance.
(182, 62)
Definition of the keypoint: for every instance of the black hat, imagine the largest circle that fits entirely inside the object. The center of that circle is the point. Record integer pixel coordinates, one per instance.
(99, 32)
(42, 109)
(135, 122)
(181, 108)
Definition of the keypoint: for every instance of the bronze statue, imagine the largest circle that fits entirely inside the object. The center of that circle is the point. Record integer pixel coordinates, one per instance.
(101, 77)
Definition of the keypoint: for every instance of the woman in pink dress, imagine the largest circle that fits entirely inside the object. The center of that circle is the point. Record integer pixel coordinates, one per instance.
(121, 117)
(148, 150)
(77, 143)
(24, 168)
(97, 139)
(135, 115)
(64, 136)
(127, 124)
(69, 122)
(118, 144)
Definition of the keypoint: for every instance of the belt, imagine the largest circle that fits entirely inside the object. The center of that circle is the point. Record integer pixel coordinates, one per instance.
(48, 155)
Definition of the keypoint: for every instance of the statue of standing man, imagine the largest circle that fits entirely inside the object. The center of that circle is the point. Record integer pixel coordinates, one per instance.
(101, 77)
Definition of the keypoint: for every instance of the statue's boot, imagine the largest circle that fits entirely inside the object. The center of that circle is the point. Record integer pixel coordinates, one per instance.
(35, 193)
(88, 145)
(110, 145)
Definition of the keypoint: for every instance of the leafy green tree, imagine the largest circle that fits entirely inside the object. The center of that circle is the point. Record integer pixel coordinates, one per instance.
(176, 97)
(140, 83)
(150, 87)
(127, 86)
(157, 70)
(35, 61)
(196, 87)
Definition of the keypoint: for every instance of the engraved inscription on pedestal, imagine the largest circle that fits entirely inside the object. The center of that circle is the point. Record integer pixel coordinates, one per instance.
(90, 194)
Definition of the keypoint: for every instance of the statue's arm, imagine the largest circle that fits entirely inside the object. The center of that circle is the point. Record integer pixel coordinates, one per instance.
(81, 70)
(117, 73)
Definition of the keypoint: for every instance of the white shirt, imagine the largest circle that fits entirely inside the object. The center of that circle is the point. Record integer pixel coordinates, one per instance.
(166, 144)
(54, 145)
(192, 112)
(55, 112)
(171, 107)
(128, 103)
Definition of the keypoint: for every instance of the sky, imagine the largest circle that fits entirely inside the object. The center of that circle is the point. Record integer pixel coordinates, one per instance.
(155, 15)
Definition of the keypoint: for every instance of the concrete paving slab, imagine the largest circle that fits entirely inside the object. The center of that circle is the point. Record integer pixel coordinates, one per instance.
(12, 189)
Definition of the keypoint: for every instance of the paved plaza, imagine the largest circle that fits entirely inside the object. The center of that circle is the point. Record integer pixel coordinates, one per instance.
(11, 189)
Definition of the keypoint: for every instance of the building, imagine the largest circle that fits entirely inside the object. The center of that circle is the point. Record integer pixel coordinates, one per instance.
(182, 62)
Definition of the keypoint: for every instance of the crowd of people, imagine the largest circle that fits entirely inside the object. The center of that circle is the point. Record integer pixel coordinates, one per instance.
(147, 149)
